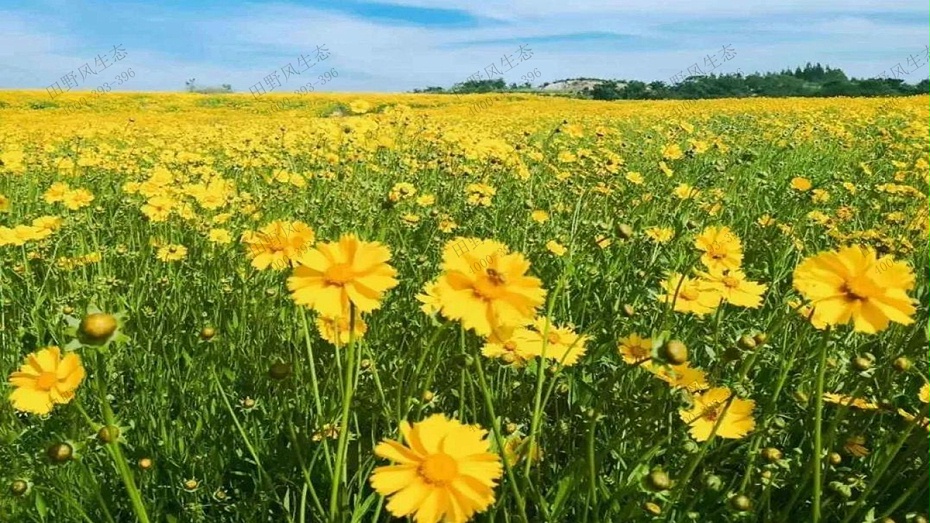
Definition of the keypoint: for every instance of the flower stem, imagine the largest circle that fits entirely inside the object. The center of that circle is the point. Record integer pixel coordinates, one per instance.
(351, 371)
(818, 426)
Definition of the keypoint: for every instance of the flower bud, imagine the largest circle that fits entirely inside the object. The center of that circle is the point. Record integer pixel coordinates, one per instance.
(652, 508)
(19, 488)
(771, 454)
(674, 352)
(746, 342)
(108, 434)
(901, 364)
(97, 328)
(713, 482)
(628, 311)
(207, 333)
(279, 370)
(658, 480)
(60, 452)
(625, 231)
(760, 338)
(861, 363)
(145, 463)
(741, 503)
(834, 458)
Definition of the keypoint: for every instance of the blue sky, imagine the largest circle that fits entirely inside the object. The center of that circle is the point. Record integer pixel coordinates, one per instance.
(398, 45)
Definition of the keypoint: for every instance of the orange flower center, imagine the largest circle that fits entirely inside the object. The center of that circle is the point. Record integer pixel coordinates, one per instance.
(339, 274)
(511, 346)
(495, 277)
(712, 414)
(854, 291)
(717, 251)
(552, 338)
(439, 469)
(731, 282)
(490, 285)
(46, 381)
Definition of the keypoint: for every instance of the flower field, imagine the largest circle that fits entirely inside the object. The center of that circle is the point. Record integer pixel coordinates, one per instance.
(511, 308)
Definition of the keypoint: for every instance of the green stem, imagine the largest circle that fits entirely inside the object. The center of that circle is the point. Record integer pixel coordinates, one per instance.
(818, 426)
(342, 447)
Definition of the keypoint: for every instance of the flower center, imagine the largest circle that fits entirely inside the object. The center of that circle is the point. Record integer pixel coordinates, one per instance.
(712, 414)
(853, 291)
(339, 274)
(717, 251)
(510, 345)
(495, 277)
(552, 338)
(439, 469)
(688, 294)
(730, 282)
(46, 381)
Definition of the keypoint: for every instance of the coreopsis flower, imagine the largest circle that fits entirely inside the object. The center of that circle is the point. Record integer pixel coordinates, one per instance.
(446, 471)
(709, 407)
(502, 344)
(56, 192)
(924, 394)
(853, 285)
(359, 107)
(337, 330)
(635, 177)
(4, 203)
(402, 191)
(278, 244)
(721, 247)
(219, 236)
(556, 248)
(635, 349)
(429, 298)
(732, 287)
(672, 151)
(158, 208)
(849, 401)
(800, 183)
(48, 224)
(681, 376)
(331, 276)
(514, 454)
(688, 295)
(484, 286)
(46, 379)
(171, 253)
(479, 194)
(660, 234)
(539, 216)
(560, 344)
(77, 199)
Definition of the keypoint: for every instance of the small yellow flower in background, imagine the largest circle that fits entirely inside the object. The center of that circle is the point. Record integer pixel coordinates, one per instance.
(635, 177)
(56, 192)
(666, 169)
(561, 343)
(446, 472)
(855, 446)
(681, 376)
(733, 288)
(708, 409)
(514, 454)
(48, 224)
(688, 295)
(336, 330)
(556, 248)
(635, 349)
(426, 200)
(924, 394)
(672, 152)
(849, 401)
(77, 199)
(171, 253)
(685, 192)
(602, 241)
(660, 234)
(158, 208)
(484, 286)
(479, 194)
(502, 344)
(853, 285)
(331, 276)
(359, 107)
(220, 236)
(46, 379)
(766, 220)
(4, 204)
(278, 244)
(430, 298)
(721, 247)
(801, 184)
(402, 191)
(539, 216)
(820, 196)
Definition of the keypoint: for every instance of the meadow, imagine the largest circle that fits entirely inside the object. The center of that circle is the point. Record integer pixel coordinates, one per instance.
(511, 308)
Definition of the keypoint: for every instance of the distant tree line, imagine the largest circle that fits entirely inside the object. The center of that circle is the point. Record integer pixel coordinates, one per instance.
(811, 80)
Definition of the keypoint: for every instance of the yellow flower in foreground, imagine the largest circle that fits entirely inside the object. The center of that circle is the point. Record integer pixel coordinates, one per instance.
(485, 286)
(688, 295)
(733, 288)
(56, 192)
(801, 184)
(330, 276)
(77, 199)
(721, 247)
(46, 379)
(278, 244)
(709, 407)
(635, 177)
(508, 348)
(853, 285)
(446, 471)
(635, 349)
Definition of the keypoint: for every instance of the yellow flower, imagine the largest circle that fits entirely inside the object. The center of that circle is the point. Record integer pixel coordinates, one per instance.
(49, 224)
(672, 152)
(158, 208)
(681, 376)
(77, 199)
(801, 184)
(721, 247)
(46, 379)
(359, 107)
(853, 285)
(446, 471)
(278, 244)
(849, 401)
(508, 348)
(924, 394)
(733, 288)
(635, 178)
(171, 253)
(561, 343)
(402, 191)
(660, 234)
(56, 192)
(710, 407)
(635, 349)
(539, 216)
(685, 191)
(556, 248)
(426, 200)
(485, 286)
(331, 276)
(4, 203)
(336, 330)
(430, 298)
(220, 236)
(688, 295)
